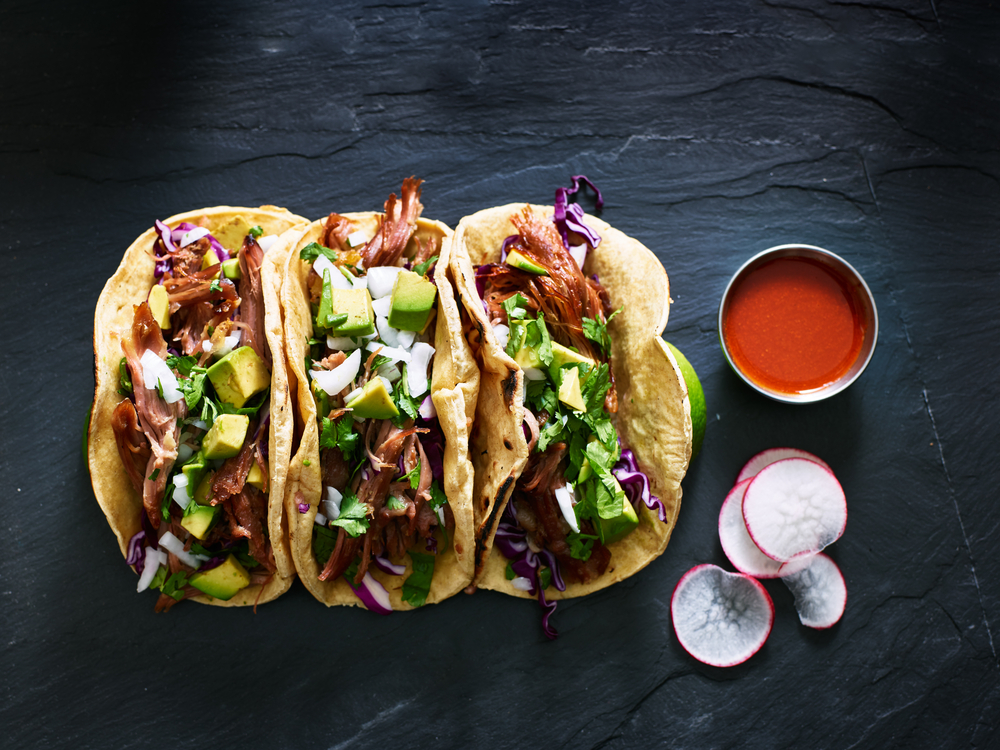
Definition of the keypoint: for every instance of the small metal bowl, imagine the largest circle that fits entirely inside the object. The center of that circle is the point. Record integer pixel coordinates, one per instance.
(865, 307)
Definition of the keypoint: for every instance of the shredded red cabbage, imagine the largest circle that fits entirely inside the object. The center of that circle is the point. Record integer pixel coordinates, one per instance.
(550, 607)
(433, 444)
(137, 551)
(186, 226)
(303, 508)
(387, 566)
(636, 484)
(569, 217)
(505, 247)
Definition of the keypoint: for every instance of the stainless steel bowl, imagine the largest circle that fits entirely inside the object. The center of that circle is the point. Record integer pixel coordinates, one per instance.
(863, 296)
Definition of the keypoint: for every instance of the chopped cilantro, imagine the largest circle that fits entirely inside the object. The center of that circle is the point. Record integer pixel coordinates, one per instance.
(580, 545)
(339, 433)
(124, 379)
(353, 516)
(413, 476)
(324, 541)
(313, 250)
(544, 577)
(438, 498)
(173, 586)
(509, 572)
(597, 331)
(406, 404)
(215, 286)
(610, 498)
(421, 268)
(159, 578)
(516, 307)
(256, 232)
(352, 570)
(154, 475)
(418, 583)
(394, 503)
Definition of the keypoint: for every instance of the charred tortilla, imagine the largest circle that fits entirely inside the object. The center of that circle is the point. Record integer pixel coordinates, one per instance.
(653, 417)
(119, 306)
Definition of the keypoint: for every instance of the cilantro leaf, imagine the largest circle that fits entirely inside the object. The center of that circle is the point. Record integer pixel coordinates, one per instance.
(597, 331)
(544, 348)
(324, 542)
(418, 584)
(544, 577)
(394, 503)
(256, 232)
(173, 586)
(438, 498)
(421, 268)
(339, 433)
(406, 404)
(353, 516)
(516, 307)
(610, 498)
(124, 378)
(580, 545)
(215, 286)
(313, 250)
(413, 476)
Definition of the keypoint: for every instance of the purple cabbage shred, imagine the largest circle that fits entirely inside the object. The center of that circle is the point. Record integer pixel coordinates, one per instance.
(569, 217)
(137, 551)
(635, 483)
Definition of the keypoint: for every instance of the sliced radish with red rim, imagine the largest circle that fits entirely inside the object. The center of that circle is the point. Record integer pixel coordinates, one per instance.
(765, 458)
(820, 592)
(720, 618)
(793, 508)
(736, 541)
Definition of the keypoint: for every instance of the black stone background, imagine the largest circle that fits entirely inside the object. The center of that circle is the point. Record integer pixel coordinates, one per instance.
(715, 130)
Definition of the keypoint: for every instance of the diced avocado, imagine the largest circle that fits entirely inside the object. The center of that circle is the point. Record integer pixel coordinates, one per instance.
(412, 301)
(527, 356)
(257, 477)
(586, 471)
(222, 582)
(231, 268)
(239, 375)
(357, 303)
(200, 519)
(374, 402)
(194, 470)
(159, 306)
(516, 259)
(231, 234)
(569, 389)
(226, 437)
(612, 529)
(209, 259)
(201, 492)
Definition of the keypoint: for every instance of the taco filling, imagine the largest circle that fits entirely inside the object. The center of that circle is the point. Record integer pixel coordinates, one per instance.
(380, 444)
(192, 428)
(579, 491)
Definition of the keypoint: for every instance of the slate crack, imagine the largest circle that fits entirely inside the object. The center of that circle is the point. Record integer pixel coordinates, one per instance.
(961, 523)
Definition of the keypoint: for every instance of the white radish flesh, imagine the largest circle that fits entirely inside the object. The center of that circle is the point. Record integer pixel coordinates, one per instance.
(720, 618)
(794, 507)
(768, 457)
(820, 592)
(736, 541)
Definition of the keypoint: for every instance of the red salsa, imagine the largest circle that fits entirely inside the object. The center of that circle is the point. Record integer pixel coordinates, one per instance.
(793, 325)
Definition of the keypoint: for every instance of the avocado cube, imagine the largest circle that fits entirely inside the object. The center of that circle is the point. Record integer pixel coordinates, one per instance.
(159, 306)
(612, 529)
(527, 356)
(222, 582)
(231, 269)
(209, 259)
(516, 259)
(563, 355)
(204, 489)
(357, 304)
(194, 470)
(257, 477)
(231, 234)
(569, 389)
(199, 519)
(226, 437)
(412, 301)
(374, 402)
(239, 375)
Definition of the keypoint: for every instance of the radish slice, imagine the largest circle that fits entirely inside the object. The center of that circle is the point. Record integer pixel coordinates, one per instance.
(794, 507)
(820, 592)
(736, 541)
(768, 457)
(720, 618)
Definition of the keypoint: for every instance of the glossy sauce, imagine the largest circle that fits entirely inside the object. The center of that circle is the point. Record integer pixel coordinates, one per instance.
(793, 325)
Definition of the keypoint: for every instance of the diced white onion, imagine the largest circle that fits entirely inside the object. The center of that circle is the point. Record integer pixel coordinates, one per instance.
(386, 383)
(381, 280)
(564, 496)
(358, 282)
(150, 565)
(337, 278)
(502, 333)
(427, 410)
(389, 372)
(352, 395)
(266, 241)
(331, 506)
(440, 514)
(320, 519)
(341, 343)
(193, 235)
(201, 424)
(533, 373)
(206, 345)
(184, 452)
(394, 354)
(356, 239)
(382, 306)
(180, 495)
(521, 583)
(155, 369)
(416, 371)
(387, 333)
(405, 339)
(229, 343)
(335, 380)
(173, 544)
(579, 253)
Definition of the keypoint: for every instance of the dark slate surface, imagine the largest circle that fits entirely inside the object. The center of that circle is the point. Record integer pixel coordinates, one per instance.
(715, 130)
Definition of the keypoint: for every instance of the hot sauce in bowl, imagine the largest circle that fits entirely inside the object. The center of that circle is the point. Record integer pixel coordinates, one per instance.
(798, 323)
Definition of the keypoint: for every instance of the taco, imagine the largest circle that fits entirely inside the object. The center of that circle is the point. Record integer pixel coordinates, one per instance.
(379, 492)
(190, 431)
(583, 428)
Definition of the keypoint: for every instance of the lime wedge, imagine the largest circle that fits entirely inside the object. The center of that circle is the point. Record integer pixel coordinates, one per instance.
(696, 396)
